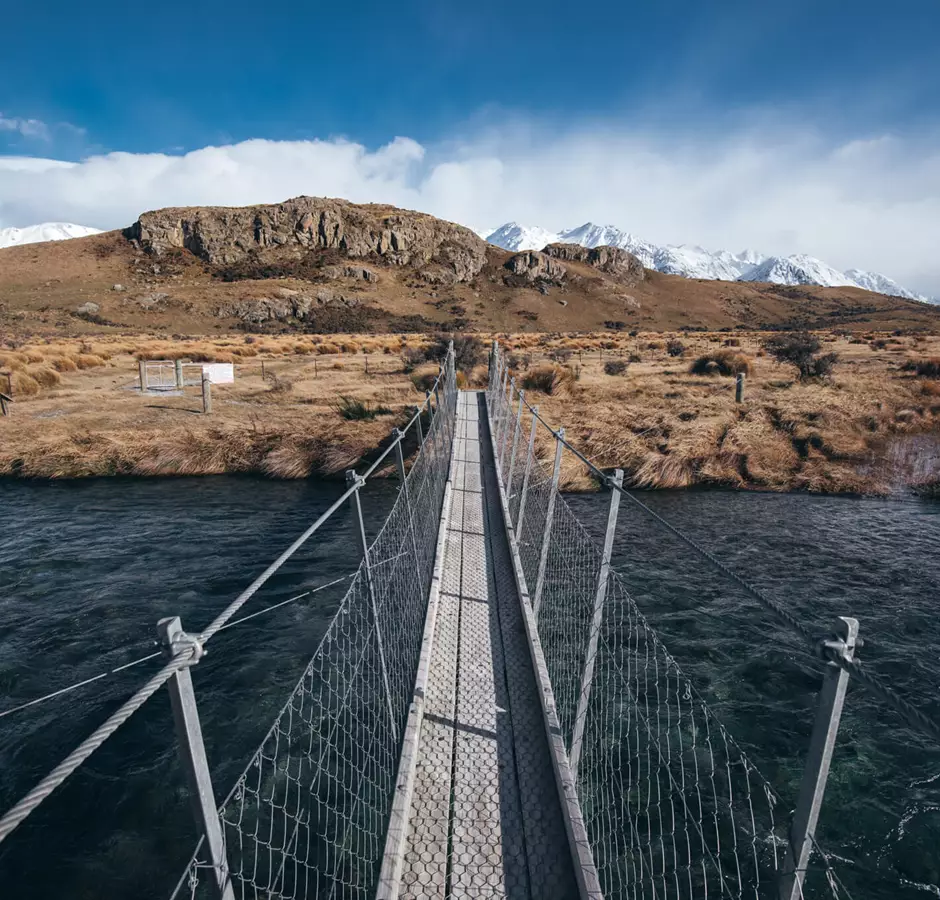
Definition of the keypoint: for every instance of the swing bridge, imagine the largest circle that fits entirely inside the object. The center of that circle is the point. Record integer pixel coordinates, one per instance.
(489, 713)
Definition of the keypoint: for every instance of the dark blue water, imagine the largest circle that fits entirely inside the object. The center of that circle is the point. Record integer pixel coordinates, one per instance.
(86, 570)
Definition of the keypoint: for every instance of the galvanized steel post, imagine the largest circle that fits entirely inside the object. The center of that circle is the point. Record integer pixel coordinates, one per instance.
(821, 744)
(739, 388)
(142, 372)
(504, 431)
(178, 366)
(597, 619)
(193, 753)
(353, 479)
(399, 436)
(515, 445)
(549, 516)
(528, 470)
(206, 393)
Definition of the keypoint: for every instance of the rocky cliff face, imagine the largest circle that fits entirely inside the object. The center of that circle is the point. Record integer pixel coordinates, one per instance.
(221, 235)
(610, 260)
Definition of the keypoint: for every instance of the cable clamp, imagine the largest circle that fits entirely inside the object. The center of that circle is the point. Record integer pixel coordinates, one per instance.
(835, 650)
(191, 642)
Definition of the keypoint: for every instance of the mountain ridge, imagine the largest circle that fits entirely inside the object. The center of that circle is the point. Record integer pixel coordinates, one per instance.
(691, 261)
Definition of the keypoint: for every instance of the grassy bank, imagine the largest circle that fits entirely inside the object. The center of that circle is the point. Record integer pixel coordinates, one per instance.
(661, 407)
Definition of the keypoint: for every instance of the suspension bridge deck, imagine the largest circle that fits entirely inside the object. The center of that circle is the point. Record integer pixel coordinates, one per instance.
(485, 820)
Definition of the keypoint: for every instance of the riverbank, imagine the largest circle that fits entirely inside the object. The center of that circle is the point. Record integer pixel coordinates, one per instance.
(316, 405)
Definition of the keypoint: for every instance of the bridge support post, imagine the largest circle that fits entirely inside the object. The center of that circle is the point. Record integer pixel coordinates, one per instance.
(587, 675)
(178, 366)
(193, 753)
(400, 466)
(525, 478)
(142, 372)
(549, 517)
(739, 388)
(515, 446)
(420, 430)
(353, 479)
(206, 393)
(821, 745)
(504, 431)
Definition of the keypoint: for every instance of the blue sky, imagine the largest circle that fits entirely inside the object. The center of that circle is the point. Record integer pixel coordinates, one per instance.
(140, 78)
(798, 127)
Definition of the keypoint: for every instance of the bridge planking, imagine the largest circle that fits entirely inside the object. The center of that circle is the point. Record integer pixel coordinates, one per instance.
(485, 819)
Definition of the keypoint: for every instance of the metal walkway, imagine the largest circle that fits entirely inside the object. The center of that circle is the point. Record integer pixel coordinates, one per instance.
(485, 820)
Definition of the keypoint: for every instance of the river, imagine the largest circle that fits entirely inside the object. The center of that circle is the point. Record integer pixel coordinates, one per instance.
(87, 568)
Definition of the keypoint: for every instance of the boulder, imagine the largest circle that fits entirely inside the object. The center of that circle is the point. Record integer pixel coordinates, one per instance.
(87, 309)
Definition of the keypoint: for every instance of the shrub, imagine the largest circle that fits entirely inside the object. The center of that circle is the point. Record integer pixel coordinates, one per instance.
(926, 368)
(279, 385)
(547, 379)
(675, 348)
(721, 362)
(560, 355)
(356, 410)
(423, 378)
(615, 367)
(800, 348)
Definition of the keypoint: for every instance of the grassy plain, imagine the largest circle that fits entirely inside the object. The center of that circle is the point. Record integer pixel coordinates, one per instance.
(873, 427)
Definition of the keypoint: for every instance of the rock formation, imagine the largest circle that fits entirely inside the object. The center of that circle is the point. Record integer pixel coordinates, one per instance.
(221, 235)
(610, 260)
(535, 266)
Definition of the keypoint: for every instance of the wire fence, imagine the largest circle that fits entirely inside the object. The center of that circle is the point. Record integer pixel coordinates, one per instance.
(672, 804)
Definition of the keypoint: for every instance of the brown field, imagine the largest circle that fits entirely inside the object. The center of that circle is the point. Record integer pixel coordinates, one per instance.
(873, 427)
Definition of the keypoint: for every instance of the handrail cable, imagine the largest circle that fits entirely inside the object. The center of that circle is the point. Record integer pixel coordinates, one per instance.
(186, 656)
(854, 666)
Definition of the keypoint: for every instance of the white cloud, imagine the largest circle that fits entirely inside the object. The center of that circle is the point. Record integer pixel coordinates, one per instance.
(29, 128)
(871, 204)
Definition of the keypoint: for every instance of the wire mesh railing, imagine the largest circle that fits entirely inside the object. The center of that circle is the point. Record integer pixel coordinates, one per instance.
(672, 804)
(307, 816)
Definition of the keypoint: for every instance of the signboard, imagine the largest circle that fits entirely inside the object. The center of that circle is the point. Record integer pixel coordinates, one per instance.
(219, 373)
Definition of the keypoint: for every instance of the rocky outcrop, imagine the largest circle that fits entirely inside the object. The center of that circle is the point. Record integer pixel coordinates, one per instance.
(286, 304)
(535, 266)
(360, 273)
(223, 236)
(610, 260)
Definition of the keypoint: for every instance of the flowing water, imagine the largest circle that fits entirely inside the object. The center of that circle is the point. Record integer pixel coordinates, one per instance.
(86, 569)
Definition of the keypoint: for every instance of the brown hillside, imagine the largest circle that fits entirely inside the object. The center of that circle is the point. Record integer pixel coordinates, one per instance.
(320, 265)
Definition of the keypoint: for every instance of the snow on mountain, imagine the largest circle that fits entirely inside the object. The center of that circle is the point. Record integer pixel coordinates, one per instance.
(696, 262)
(797, 269)
(881, 284)
(513, 236)
(48, 231)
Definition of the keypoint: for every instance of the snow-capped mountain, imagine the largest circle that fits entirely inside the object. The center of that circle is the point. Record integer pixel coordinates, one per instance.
(797, 269)
(48, 231)
(697, 262)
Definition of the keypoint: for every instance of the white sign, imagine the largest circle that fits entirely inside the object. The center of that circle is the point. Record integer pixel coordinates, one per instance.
(219, 373)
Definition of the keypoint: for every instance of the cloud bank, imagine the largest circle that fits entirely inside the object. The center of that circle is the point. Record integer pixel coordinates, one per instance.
(871, 204)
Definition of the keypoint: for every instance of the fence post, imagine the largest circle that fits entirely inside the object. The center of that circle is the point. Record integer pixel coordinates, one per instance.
(504, 429)
(193, 753)
(739, 388)
(549, 516)
(142, 372)
(528, 469)
(206, 393)
(515, 445)
(587, 675)
(821, 744)
(178, 365)
(359, 481)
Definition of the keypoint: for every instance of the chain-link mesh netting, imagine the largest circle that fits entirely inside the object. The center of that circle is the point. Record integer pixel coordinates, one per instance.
(673, 806)
(307, 817)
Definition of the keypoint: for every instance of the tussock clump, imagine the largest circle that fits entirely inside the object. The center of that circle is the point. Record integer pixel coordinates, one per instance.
(721, 362)
(63, 364)
(423, 377)
(675, 348)
(23, 385)
(88, 361)
(43, 376)
(547, 379)
(615, 367)
(926, 368)
(355, 410)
